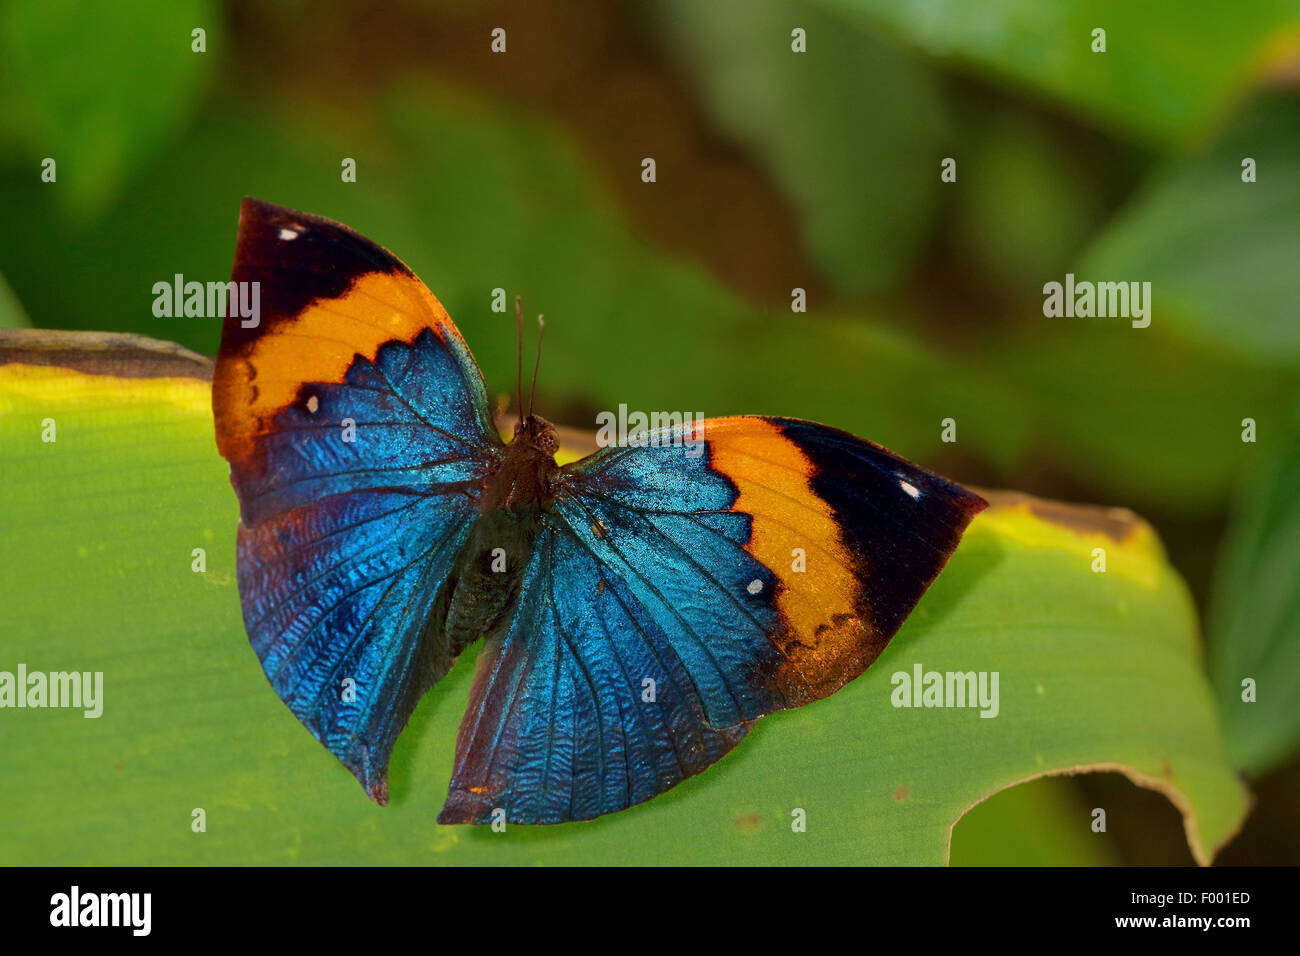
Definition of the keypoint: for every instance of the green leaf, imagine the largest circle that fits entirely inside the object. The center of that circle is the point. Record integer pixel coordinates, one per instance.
(96, 86)
(1162, 77)
(1220, 253)
(1254, 625)
(1096, 671)
(12, 315)
(851, 129)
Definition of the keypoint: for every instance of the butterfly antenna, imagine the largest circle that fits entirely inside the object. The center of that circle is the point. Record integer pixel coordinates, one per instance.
(519, 372)
(541, 334)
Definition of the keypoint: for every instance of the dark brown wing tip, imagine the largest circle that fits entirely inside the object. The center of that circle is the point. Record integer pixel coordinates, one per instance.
(970, 502)
(465, 806)
(293, 259)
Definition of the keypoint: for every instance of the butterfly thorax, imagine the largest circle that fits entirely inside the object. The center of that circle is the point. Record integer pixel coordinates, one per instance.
(525, 475)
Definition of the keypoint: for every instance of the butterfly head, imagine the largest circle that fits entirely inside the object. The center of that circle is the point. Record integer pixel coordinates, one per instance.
(524, 476)
(536, 433)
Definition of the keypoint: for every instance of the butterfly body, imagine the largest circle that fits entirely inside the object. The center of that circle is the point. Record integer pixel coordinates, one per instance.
(483, 588)
(639, 608)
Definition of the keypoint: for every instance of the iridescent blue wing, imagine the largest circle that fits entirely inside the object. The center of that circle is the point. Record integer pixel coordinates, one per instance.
(737, 568)
(357, 429)
(584, 707)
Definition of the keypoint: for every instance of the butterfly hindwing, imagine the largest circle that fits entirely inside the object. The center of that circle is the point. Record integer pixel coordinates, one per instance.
(584, 707)
(743, 566)
(357, 430)
(335, 599)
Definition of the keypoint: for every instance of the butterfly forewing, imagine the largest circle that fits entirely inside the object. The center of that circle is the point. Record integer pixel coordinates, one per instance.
(357, 430)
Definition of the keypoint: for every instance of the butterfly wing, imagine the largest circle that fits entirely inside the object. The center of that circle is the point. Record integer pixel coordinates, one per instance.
(584, 707)
(357, 429)
(735, 568)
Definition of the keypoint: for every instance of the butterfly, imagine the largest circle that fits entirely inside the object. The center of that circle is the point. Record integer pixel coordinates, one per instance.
(640, 608)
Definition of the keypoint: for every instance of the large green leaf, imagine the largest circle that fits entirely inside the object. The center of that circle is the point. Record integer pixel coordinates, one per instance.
(1165, 73)
(1254, 625)
(1097, 670)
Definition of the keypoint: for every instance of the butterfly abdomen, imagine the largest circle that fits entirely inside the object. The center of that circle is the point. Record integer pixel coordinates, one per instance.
(484, 587)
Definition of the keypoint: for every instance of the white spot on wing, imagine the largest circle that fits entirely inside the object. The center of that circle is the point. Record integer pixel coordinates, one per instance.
(910, 488)
(312, 404)
(287, 234)
(754, 586)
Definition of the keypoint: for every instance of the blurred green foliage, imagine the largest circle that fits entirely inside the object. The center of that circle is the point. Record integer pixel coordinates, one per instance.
(866, 202)
(1166, 72)
(1255, 625)
(925, 297)
(99, 87)
(1028, 202)
(12, 315)
(1223, 253)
